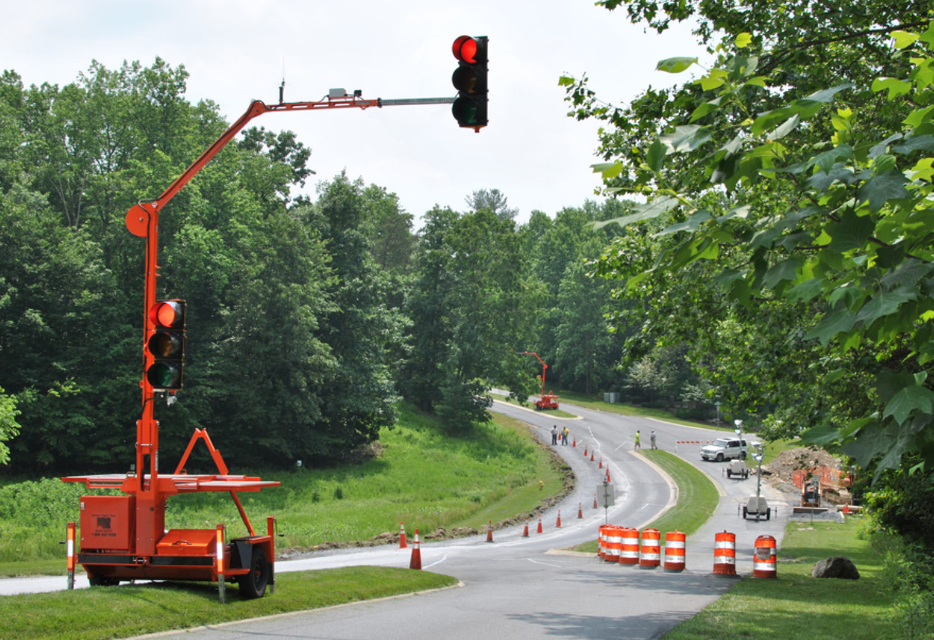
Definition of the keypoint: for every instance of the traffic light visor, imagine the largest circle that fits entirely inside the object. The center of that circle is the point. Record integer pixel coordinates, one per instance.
(465, 49)
(170, 313)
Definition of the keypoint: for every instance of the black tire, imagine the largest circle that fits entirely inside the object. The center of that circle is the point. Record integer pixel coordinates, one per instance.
(746, 474)
(768, 513)
(253, 584)
(744, 513)
(742, 455)
(719, 457)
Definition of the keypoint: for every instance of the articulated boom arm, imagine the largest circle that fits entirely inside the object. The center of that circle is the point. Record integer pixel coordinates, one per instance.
(544, 368)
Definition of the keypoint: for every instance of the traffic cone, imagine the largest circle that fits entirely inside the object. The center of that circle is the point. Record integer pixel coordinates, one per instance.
(539, 524)
(595, 501)
(489, 532)
(601, 464)
(585, 452)
(591, 456)
(608, 475)
(574, 444)
(580, 510)
(846, 508)
(525, 532)
(416, 561)
(559, 519)
(402, 543)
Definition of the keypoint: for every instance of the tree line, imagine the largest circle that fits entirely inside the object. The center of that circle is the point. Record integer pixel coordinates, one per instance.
(307, 320)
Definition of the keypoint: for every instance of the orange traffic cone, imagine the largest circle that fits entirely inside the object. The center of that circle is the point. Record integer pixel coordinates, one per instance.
(416, 561)
(525, 532)
(574, 444)
(591, 456)
(846, 508)
(580, 510)
(489, 532)
(559, 519)
(402, 543)
(595, 501)
(608, 475)
(601, 464)
(585, 452)
(539, 524)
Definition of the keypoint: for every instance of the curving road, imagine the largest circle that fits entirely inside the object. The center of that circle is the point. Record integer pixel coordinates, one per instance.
(525, 587)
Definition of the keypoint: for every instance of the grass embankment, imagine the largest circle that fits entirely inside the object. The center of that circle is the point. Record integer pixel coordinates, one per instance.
(556, 413)
(589, 402)
(697, 498)
(795, 605)
(422, 477)
(121, 612)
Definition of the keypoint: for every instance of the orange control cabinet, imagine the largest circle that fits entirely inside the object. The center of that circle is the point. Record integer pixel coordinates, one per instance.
(107, 522)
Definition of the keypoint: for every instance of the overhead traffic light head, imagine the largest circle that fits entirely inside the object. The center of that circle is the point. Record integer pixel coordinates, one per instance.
(166, 345)
(470, 106)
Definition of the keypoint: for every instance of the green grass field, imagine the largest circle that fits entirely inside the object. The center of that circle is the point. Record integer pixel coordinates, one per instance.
(422, 477)
(795, 605)
(121, 612)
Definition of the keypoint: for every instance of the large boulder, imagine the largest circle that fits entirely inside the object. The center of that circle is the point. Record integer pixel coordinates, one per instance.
(836, 567)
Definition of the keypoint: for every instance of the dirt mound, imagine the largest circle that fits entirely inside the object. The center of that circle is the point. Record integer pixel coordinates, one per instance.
(780, 473)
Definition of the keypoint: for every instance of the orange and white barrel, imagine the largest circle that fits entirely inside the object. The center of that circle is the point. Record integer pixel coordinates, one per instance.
(601, 541)
(724, 554)
(674, 551)
(629, 551)
(614, 543)
(763, 565)
(650, 556)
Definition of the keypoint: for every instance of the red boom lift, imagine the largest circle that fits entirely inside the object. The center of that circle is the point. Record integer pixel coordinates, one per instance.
(548, 400)
(124, 537)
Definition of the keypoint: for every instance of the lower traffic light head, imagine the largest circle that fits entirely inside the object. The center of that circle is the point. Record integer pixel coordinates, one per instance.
(470, 111)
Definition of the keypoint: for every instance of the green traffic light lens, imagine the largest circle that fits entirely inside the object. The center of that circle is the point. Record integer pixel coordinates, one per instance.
(164, 376)
(468, 112)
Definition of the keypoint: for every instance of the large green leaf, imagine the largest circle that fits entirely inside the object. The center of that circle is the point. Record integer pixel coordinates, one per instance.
(882, 304)
(784, 270)
(807, 290)
(675, 65)
(882, 188)
(837, 321)
(907, 400)
(925, 143)
(691, 224)
(687, 138)
(653, 209)
(655, 156)
(852, 232)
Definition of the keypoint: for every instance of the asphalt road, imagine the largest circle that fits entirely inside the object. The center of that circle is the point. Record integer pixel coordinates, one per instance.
(519, 587)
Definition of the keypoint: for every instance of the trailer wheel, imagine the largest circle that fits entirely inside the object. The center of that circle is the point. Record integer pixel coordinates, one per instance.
(253, 585)
(768, 513)
(744, 513)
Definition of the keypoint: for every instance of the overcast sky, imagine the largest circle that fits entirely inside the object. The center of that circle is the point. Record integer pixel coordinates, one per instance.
(236, 51)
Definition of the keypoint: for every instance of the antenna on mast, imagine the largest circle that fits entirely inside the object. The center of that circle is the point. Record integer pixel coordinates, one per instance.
(282, 86)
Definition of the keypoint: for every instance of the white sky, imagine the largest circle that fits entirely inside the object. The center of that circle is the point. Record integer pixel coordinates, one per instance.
(235, 51)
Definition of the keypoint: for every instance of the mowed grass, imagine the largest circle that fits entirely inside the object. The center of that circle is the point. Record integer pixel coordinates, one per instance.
(697, 498)
(125, 611)
(422, 477)
(589, 402)
(795, 605)
(557, 413)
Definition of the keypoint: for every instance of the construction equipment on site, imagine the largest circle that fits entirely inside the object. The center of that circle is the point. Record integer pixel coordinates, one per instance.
(123, 537)
(548, 400)
(811, 492)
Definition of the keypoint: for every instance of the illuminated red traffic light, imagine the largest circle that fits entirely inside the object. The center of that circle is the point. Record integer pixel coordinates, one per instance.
(465, 49)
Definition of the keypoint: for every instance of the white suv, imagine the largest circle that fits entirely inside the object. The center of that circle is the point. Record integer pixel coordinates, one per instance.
(724, 449)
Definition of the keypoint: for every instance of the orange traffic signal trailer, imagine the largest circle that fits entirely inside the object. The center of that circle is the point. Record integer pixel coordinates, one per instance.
(124, 537)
